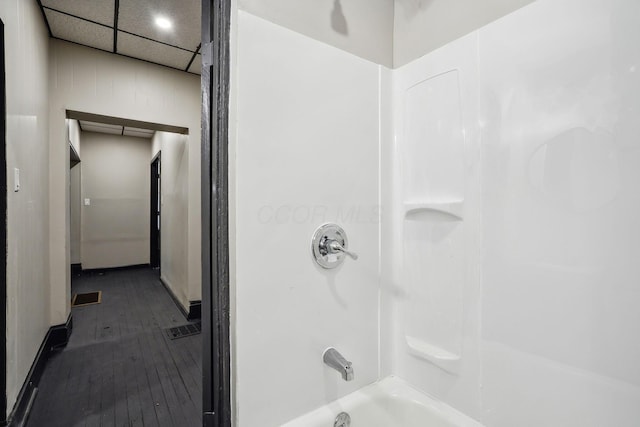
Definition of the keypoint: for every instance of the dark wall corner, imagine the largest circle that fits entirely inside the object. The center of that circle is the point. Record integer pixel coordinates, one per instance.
(195, 310)
(57, 337)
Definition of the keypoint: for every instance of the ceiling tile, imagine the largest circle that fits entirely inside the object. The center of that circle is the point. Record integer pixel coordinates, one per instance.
(138, 133)
(79, 31)
(138, 17)
(85, 123)
(196, 65)
(138, 47)
(139, 130)
(101, 11)
(99, 129)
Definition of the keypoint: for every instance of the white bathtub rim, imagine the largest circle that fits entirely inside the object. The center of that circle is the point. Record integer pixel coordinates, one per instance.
(393, 387)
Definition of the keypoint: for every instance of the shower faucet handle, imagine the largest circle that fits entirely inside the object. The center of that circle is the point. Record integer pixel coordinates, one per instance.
(335, 247)
(329, 246)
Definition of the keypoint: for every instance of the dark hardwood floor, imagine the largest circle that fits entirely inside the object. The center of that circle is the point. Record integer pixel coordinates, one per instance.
(120, 368)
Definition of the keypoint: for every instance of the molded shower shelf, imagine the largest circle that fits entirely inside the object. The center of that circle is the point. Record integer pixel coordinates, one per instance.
(440, 357)
(449, 210)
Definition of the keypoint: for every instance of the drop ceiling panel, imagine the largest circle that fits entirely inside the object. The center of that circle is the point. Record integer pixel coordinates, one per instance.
(139, 130)
(138, 17)
(148, 50)
(77, 30)
(138, 133)
(196, 65)
(114, 129)
(102, 11)
(100, 129)
(85, 123)
(101, 120)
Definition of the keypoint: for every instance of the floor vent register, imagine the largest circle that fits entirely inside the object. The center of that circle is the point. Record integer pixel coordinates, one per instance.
(184, 330)
(89, 298)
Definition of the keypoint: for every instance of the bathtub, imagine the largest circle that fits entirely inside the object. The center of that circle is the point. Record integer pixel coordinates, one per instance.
(389, 402)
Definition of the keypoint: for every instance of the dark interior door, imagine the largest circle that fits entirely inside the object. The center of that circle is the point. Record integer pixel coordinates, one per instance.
(3, 233)
(155, 205)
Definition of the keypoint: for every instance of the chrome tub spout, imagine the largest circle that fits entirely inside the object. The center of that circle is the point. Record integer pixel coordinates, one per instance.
(333, 359)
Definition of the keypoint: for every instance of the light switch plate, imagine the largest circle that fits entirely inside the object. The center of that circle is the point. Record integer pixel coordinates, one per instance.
(16, 179)
(87, 202)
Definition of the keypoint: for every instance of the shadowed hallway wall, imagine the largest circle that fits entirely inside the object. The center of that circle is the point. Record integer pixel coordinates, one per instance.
(27, 71)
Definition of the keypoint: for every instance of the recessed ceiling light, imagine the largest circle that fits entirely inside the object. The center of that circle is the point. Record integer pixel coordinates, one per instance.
(164, 23)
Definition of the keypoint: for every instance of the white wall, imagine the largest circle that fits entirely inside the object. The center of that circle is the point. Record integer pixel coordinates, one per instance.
(547, 308)
(174, 168)
(89, 80)
(73, 129)
(388, 32)
(27, 226)
(306, 153)
(75, 177)
(115, 179)
(421, 26)
(361, 27)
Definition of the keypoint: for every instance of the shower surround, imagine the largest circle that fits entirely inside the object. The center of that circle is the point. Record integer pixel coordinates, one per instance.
(489, 188)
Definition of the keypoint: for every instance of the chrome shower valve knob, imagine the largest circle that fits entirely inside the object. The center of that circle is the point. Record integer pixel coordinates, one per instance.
(329, 246)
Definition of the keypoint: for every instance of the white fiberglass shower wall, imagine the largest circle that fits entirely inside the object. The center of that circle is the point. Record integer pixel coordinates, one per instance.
(489, 186)
(306, 153)
(512, 293)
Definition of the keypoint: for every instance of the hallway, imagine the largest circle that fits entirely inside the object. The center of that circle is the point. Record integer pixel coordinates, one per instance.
(120, 368)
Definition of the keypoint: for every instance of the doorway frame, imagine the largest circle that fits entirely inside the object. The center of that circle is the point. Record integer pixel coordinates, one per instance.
(155, 208)
(3, 227)
(215, 82)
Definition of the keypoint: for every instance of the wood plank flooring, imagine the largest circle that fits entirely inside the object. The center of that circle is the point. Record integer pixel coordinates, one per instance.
(120, 368)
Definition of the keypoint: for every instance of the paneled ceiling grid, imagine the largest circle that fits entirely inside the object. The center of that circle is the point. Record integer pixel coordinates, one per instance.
(127, 28)
(113, 129)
